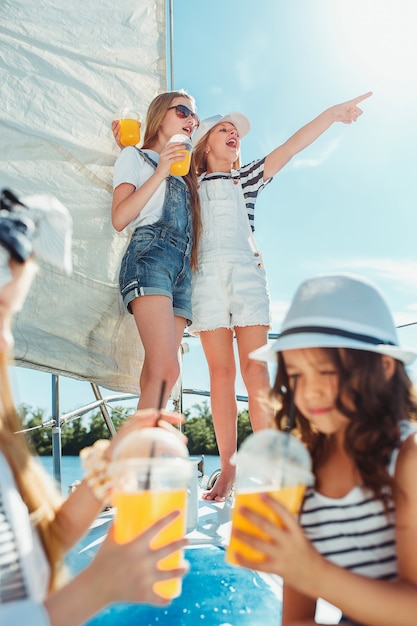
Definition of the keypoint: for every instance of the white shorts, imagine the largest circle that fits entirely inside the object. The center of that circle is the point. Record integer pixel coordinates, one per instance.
(228, 293)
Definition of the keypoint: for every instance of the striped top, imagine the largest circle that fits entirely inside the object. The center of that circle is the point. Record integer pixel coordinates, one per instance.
(354, 531)
(24, 568)
(251, 179)
(12, 586)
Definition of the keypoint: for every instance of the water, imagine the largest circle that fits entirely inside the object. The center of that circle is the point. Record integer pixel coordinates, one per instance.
(71, 468)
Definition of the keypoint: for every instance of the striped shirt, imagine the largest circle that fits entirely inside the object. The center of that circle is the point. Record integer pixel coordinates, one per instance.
(354, 532)
(252, 182)
(24, 568)
(12, 586)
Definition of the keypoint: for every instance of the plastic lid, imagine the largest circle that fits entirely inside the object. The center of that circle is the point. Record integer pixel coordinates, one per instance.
(270, 456)
(126, 113)
(181, 139)
(150, 443)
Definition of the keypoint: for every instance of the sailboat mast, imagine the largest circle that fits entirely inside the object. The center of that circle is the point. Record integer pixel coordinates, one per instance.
(170, 45)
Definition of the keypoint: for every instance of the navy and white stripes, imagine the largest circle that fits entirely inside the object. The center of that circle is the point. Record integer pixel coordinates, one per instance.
(353, 532)
(251, 179)
(12, 586)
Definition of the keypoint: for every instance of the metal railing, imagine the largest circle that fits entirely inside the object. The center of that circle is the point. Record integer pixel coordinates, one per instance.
(102, 402)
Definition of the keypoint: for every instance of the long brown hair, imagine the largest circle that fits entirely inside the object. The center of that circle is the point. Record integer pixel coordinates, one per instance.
(200, 155)
(35, 487)
(154, 118)
(373, 431)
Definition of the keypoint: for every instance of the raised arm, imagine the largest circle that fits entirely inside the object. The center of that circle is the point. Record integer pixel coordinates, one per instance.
(128, 202)
(347, 112)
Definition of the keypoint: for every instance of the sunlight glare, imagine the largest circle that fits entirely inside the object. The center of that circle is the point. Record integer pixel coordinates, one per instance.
(382, 34)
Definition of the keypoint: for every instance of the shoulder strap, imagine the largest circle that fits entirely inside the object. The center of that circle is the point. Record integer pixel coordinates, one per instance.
(147, 158)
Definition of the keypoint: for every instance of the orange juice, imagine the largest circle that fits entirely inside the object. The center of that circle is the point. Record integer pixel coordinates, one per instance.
(181, 168)
(137, 511)
(291, 497)
(129, 131)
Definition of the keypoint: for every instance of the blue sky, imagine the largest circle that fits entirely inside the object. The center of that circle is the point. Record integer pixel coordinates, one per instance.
(348, 202)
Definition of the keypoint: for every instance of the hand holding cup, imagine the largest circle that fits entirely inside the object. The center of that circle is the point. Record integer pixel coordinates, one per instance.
(181, 167)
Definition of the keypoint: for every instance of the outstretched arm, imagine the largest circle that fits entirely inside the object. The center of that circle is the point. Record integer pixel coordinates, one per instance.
(347, 112)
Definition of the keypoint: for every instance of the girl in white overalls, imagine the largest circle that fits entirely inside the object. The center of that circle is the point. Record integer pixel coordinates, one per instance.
(229, 290)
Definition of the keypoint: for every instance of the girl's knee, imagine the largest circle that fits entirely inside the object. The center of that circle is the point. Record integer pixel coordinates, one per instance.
(162, 369)
(255, 374)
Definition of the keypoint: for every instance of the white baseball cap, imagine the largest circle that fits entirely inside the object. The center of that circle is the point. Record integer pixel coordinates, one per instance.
(239, 121)
(338, 311)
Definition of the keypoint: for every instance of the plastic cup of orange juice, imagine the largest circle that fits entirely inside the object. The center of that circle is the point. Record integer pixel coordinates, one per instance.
(271, 462)
(129, 127)
(182, 166)
(151, 472)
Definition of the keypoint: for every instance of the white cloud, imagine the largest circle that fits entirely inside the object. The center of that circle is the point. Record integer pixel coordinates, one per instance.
(401, 271)
(401, 274)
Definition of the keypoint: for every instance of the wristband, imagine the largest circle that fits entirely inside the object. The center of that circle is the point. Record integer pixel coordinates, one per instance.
(96, 470)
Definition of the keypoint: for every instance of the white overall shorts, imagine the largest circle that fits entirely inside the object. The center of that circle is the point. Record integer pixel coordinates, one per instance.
(229, 287)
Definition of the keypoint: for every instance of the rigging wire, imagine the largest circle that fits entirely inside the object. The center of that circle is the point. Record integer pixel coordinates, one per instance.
(170, 45)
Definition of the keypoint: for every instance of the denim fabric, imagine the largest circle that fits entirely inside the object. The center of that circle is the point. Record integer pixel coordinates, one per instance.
(157, 259)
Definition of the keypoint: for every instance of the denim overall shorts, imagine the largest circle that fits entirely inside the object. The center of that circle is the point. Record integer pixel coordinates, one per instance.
(157, 259)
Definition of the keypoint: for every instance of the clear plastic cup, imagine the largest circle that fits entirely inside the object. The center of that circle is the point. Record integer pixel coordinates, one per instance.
(129, 127)
(151, 472)
(182, 166)
(271, 462)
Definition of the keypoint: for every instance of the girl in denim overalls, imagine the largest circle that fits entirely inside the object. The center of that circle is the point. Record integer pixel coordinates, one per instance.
(230, 293)
(162, 212)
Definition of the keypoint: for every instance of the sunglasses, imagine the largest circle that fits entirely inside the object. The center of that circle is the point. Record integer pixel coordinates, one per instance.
(183, 112)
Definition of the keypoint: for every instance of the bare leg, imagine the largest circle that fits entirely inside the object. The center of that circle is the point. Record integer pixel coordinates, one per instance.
(218, 349)
(255, 375)
(161, 334)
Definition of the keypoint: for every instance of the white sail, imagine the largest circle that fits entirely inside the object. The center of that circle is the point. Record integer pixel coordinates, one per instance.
(65, 69)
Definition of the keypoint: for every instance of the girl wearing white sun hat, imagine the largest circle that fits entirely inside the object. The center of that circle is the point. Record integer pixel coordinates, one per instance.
(342, 388)
(338, 311)
(230, 296)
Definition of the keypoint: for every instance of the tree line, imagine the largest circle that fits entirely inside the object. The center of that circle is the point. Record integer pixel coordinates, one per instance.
(80, 433)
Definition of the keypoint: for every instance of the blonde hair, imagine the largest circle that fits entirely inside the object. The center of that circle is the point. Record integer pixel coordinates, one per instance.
(34, 485)
(154, 118)
(200, 155)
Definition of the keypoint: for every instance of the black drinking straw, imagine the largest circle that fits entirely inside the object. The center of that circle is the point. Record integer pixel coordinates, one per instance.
(290, 426)
(161, 395)
(152, 454)
(291, 412)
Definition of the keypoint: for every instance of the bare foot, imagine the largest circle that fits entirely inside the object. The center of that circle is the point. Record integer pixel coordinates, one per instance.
(222, 487)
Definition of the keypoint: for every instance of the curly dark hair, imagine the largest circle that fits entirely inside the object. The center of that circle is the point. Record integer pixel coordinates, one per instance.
(373, 432)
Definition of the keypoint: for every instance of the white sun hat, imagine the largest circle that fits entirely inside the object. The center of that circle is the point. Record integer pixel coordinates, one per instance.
(238, 120)
(338, 311)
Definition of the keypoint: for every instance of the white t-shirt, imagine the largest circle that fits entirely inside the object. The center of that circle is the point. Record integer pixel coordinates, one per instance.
(131, 167)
